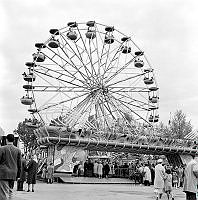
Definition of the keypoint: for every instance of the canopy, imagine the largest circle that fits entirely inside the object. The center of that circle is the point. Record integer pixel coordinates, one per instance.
(192, 135)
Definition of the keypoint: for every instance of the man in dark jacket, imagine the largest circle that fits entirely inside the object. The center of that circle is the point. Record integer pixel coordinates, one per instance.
(10, 167)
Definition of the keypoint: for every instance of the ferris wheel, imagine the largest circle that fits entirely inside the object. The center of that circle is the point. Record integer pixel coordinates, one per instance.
(90, 76)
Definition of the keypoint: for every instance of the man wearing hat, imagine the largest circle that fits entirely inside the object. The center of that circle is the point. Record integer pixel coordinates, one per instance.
(159, 179)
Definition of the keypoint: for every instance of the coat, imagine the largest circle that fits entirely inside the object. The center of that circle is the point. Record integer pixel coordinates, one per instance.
(100, 168)
(10, 162)
(190, 180)
(50, 172)
(32, 171)
(95, 168)
(106, 169)
(159, 176)
(168, 183)
(23, 170)
(147, 175)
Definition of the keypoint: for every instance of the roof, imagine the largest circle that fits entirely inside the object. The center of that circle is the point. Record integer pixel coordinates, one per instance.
(192, 135)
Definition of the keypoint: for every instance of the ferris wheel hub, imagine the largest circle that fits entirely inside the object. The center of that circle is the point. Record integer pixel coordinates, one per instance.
(100, 89)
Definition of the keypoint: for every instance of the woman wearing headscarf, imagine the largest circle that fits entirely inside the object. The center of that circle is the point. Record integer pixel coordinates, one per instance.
(32, 172)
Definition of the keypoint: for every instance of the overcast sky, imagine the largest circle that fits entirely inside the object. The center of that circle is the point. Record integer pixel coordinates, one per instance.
(167, 31)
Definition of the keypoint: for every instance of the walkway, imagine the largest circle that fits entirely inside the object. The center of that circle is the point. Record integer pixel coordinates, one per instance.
(59, 191)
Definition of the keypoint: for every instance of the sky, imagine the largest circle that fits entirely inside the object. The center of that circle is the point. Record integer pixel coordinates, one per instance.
(167, 31)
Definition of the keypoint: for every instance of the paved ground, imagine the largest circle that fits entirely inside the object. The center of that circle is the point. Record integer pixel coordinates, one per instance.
(60, 191)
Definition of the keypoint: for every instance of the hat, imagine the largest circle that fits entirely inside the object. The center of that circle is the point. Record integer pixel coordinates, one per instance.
(160, 161)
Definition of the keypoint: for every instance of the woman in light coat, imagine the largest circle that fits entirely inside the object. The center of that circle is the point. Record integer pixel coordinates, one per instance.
(147, 175)
(100, 169)
(159, 179)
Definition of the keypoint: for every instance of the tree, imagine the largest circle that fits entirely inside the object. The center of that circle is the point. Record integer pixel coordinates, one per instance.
(179, 126)
(27, 135)
(163, 130)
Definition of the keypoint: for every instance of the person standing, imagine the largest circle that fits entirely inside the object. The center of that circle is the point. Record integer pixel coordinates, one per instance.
(141, 175)
(50, 173)
(190, 180)
(100, 169)
(22, 177)
(159, 179)
(152, 168)
(147, 175)
(180, 178)
(168, 189)
(10, 167)
(80, 169)
(175, 179)
(90, 167)
(95, 171)
(106, 169)
(32, 172)
(44, 172)
(85, 168)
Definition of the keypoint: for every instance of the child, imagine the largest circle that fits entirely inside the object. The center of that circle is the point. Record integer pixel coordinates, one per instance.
(175, 179)
(50, 173)
(168, 184)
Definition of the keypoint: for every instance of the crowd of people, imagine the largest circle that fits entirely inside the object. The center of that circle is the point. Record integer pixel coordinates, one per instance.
(166, 178)
(98, 168)
(143, 173)
(14, 166)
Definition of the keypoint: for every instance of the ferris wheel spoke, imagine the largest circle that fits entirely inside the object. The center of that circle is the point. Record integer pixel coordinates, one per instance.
(109, 108)
(108, 70)
(78, 112)
(141, 103)
(130, 89)
(104, 114)
(140, 106)
(71, 83)
(120, 70)
(126, 79)
(123, 104)
(114, 58)
(118, 109)
(91, 64)
(66, 62)
(94, 73)
(46, 88)
(67, 100)
(54, 71)
(65, 70)
(84, 111)
(76, 68)
(86, 64)
(58, 55)
(85, 47)
(75, 55)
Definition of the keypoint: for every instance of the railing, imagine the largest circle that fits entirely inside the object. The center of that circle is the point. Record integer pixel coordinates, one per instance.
(121, 172)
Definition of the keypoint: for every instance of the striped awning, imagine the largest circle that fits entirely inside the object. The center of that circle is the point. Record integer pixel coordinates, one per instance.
(192, 135)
